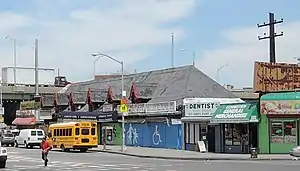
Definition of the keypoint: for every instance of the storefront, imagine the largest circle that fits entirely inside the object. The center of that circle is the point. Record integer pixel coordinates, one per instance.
(238, 127)
(196, 121)
(27, 119)
(279, 125)
(102, 119)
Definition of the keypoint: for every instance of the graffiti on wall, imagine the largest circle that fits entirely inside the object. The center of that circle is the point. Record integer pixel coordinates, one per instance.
(159, 135)
(132, 135)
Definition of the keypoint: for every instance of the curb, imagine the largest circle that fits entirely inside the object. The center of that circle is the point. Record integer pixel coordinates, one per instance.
(188, 158)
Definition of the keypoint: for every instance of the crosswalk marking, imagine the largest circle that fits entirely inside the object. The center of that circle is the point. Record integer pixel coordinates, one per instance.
(18, 163)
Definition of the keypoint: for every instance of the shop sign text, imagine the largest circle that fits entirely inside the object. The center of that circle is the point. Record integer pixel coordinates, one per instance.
(280, 107)
(234, 111)
(200, 109)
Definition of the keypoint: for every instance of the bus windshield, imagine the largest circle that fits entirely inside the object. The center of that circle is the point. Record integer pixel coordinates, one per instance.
(85, 131)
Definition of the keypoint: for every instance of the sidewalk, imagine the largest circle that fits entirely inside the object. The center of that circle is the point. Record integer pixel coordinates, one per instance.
(161, 153)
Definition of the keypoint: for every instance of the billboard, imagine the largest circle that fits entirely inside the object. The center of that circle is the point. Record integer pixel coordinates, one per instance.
(276, 76)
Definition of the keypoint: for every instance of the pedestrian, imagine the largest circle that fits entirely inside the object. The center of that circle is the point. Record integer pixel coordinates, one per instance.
(46, 147)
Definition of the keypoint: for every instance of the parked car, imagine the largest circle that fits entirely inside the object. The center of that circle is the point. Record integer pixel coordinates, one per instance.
(29, 137)
(295, 152)
(3, 156)
(8, 139)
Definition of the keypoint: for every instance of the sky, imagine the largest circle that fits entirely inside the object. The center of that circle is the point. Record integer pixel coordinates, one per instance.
(138, 32)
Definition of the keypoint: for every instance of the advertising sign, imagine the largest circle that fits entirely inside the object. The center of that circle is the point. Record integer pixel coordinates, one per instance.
(276, 76)
(205, 107)
(25, 113)
(162, 107)
(280, 107)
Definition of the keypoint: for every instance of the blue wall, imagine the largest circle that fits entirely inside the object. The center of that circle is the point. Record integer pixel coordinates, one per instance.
(143, 135)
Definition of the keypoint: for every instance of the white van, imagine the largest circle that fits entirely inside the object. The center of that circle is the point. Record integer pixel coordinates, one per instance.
(30, 137)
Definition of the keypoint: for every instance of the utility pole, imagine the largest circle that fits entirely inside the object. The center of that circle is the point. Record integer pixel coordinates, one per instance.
(172, 50)
(272, 35)
(36, 68)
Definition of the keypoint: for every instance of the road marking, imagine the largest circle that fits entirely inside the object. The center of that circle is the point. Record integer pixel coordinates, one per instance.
(93, 166)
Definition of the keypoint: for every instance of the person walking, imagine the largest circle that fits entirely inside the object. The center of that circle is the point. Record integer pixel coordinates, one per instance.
(46, 147)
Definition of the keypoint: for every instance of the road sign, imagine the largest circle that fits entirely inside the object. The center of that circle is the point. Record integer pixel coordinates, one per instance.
(123, 108)
(123, 101)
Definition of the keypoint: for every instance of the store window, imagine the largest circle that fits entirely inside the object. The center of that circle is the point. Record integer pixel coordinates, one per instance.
(283, 132)
(236, 134)
(194, 132)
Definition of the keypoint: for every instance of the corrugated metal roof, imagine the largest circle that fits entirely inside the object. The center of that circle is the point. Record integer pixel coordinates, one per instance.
(161, 85)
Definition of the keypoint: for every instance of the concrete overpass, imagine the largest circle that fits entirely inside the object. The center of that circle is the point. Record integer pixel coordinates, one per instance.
(12, 96)
(25, 92)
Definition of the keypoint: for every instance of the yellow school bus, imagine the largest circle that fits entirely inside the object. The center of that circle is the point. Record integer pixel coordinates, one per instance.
(73, 135)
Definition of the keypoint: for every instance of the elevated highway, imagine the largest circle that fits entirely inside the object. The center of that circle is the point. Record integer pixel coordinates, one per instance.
(25, 92)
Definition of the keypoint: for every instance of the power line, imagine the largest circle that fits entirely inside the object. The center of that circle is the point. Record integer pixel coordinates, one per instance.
(272, 35)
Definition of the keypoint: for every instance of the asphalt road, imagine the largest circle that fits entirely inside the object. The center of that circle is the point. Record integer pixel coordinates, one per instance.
(20, 159)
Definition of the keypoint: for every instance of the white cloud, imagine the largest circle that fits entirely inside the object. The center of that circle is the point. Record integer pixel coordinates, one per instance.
(129, 31)
(242, 48)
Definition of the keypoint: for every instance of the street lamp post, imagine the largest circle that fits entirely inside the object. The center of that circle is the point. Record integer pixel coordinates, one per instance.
(122, 87)
(219, 69)
(193, 55)
(94, 73)
(15, 57)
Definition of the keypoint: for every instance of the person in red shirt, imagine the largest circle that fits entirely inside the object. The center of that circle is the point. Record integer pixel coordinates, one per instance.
(46, 147)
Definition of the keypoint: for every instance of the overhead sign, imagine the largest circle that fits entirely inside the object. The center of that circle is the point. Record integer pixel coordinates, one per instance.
(123, 108)
(205, 107)
(93, 116)
(276, 76)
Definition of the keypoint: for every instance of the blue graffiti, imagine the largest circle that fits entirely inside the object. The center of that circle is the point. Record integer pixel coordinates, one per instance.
(132, 135)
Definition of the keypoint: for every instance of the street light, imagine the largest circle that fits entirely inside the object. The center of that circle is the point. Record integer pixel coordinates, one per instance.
(15, 57)
(219, 69)
(94, 73)
(122, 85)
(193, 54)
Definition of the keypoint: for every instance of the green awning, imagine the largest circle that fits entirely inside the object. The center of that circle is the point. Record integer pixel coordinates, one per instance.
(281, 96)
(236, 113)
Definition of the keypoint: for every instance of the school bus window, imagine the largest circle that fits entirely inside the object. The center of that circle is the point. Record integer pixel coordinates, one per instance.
(85, 131)
(64, 132)
(67, 132)
(70, 131)
(77, 131)
(93, 131)
(60, 132)
(54, 132)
